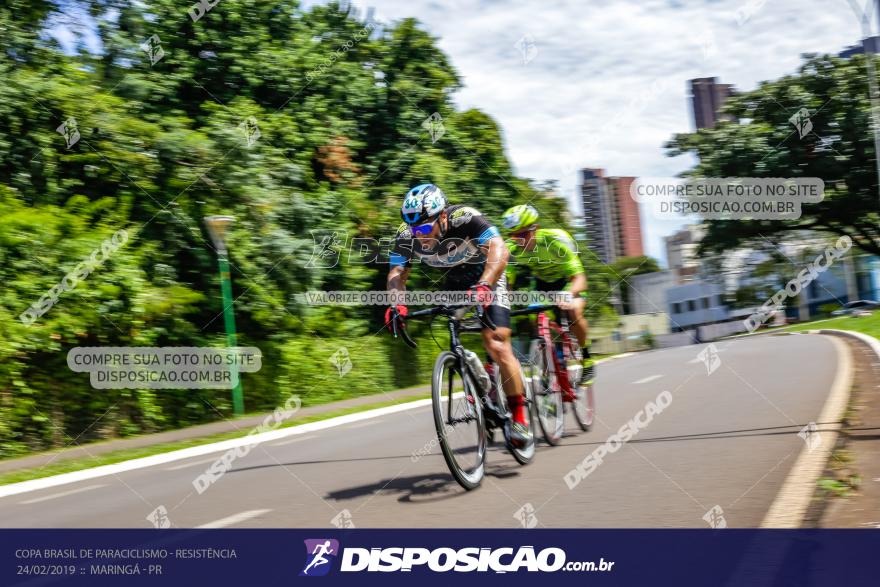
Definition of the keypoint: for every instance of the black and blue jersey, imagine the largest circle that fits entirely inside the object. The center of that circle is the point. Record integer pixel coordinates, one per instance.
(459, 251)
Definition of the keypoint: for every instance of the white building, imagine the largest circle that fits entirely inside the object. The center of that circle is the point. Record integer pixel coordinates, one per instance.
(694, 304)
(647, 292)
(681, 252)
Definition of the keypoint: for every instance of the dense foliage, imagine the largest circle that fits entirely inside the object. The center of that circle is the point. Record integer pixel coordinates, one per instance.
(298, 123)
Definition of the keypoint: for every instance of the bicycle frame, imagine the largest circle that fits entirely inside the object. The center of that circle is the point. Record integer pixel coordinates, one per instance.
(547, 328)
(455, 328)
(453, 324)
(491, 410)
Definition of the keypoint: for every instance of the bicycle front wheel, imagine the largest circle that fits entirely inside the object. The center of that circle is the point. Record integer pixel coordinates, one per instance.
(458, 416)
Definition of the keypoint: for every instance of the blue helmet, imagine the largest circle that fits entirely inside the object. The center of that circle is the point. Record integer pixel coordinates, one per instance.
(422, 203)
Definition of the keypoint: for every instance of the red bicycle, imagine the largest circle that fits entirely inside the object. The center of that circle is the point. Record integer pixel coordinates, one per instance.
(555, 368)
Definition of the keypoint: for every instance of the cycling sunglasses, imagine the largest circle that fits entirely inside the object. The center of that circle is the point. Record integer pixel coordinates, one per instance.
(423, 229)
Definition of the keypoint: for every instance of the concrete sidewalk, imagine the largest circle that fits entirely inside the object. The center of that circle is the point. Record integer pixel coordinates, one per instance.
(858, 450)
(243, 424)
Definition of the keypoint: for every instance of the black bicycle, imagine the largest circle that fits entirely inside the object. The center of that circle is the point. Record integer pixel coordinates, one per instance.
(469, 402)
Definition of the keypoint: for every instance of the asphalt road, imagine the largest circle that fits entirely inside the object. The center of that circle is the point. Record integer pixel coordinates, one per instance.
(728, 439)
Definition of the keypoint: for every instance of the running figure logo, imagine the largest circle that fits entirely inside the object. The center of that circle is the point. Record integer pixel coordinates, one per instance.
(320, 552)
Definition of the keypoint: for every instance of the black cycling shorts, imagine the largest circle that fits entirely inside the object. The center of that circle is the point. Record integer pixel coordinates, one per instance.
(554, 286)
(558, 285)
(499, 311)
(500, 316)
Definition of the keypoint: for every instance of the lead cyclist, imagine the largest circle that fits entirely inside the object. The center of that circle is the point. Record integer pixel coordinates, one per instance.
(460, 241)
(551, 256)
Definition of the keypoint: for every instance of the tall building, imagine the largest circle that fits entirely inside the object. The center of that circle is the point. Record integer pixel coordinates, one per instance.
(707, 98)
(628, 222)
(611, 216)
(869, 45)
(597, 213)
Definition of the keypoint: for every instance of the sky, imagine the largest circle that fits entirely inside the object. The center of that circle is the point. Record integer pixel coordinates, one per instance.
(603, 83)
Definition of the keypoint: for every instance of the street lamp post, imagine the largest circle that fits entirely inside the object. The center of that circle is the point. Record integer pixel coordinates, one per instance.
(869, 46)
(217, 227)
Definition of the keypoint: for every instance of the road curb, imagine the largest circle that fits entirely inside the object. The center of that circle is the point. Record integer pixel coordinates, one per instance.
(793, 500)
(865, 338)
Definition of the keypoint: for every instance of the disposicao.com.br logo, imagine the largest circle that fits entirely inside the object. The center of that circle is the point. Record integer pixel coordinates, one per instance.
(444, 559)
(320, 554)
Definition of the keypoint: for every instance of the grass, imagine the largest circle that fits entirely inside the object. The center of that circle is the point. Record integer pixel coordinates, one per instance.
(837, 487)
(867, 324)
(118, 456)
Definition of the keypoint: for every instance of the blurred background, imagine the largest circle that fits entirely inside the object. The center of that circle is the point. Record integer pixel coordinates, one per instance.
(152, 139)
(310, 120)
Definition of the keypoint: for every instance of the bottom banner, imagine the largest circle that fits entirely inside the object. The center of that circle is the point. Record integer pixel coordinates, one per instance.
(286, 557)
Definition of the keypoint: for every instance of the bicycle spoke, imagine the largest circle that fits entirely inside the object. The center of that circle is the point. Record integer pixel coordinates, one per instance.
(460, 427)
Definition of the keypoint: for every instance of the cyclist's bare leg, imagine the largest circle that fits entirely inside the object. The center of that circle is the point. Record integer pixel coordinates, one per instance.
(578, 326)
(577, 322)
(497, 344)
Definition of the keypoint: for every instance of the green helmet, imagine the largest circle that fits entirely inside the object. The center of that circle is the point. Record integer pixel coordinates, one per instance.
(519, 218)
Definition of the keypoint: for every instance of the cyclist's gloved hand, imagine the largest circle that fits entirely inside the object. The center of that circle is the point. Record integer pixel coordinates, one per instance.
(395, 314)
(481, 294)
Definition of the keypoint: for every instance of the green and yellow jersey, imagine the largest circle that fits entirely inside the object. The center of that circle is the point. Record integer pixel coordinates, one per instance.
(554, 257)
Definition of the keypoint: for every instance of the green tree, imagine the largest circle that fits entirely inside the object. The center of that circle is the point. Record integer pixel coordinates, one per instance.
(300, 123)
(763, 142)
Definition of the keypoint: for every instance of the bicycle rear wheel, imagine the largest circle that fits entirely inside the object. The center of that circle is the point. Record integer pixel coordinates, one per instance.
(584, 406)
(524, 454)
(548, 403)
(458, 416)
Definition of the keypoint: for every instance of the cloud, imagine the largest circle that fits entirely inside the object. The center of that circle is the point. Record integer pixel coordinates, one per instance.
(590, 79)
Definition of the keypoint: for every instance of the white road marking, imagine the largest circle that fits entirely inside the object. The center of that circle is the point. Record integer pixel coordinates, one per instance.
(204, 449)
(647, 379)
(233, 519)
(292, 440)
(62, 494)
(361, 425)
(216, 447)
(190, 464)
